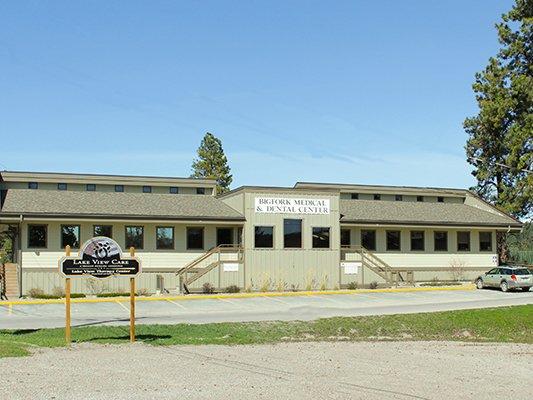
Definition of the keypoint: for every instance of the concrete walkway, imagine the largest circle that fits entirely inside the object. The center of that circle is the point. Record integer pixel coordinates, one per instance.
(259, 308)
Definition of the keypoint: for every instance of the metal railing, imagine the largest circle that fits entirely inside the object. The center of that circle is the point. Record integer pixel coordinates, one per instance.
(208, 261)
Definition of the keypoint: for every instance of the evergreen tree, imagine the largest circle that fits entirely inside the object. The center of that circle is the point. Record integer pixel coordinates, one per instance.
(500, 142)
(212, 163)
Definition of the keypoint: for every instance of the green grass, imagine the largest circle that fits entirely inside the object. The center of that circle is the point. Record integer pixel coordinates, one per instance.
(505, 324)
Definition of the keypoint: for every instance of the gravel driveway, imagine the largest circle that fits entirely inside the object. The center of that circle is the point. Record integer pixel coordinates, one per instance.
(340, 370)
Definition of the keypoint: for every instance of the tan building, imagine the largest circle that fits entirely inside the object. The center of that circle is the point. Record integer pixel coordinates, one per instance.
(313, 235)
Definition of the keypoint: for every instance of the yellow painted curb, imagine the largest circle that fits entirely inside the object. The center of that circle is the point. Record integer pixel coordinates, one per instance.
(238, 295)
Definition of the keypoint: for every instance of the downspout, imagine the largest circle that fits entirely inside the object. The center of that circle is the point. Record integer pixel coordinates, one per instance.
(19, 253)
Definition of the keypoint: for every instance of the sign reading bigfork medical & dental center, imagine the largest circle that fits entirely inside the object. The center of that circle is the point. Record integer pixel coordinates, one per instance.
(289, 205)
(100, 257)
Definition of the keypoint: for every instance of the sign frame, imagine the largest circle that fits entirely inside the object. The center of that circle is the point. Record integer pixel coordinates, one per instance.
(102, 261)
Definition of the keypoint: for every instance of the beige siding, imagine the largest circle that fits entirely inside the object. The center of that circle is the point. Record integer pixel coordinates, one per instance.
(286, 267)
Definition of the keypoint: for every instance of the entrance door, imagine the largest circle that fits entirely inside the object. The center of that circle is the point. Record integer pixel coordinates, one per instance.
(224, 236)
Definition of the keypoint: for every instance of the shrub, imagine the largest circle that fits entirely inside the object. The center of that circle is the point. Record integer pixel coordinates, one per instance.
(77, 295)
(112, 294)
(324, 283)
(373, 285)
(250, 287)
(281, 285)
(352, 286)
(265, 283)
(143, 292)
(59, 292)
(208, 288)
(233, 289)
(294, 287)
(95, 286)
(35, 292)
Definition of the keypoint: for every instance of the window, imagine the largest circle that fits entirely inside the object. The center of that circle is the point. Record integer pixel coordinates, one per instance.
(368, 240)
(485, 241)
(33, 185)
(90, 187)
(441, 241)
(419, 198)
(134, 237)
(393, 241)
(37, 236)
(398, 197)
(346, 237)
(440, 199)
(377, 197)
(224, 236)
(493, 271)
(463, 241)
(119, 188)
(321, 238)
(164, 238)
(195, 238)
(147, 189)
(200, 190)
(103, 230)
(355, 196)
(70, 236)
(292, 233)
(264, 237)
(417, 240)
(173, 190)
(61, 186)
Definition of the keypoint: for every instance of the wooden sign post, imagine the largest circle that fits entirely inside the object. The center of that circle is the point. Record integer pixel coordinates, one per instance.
(67, 301)
(100, 257)
(132, 301)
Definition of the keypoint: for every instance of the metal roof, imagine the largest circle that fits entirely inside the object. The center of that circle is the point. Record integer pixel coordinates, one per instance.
(50, 203)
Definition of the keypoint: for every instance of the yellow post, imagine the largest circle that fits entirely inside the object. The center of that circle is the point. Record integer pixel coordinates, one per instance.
(132, 302)
(67, 302)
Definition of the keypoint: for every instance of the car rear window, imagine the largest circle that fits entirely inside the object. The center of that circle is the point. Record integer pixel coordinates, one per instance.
(521, 271)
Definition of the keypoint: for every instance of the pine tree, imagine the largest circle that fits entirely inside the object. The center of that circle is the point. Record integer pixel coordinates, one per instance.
(500, 143)
(212, 163)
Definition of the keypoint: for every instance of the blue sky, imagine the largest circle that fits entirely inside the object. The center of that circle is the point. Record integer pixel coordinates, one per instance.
(348, 91)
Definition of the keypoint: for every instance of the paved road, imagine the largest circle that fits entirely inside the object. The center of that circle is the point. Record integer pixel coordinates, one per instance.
(257, 309)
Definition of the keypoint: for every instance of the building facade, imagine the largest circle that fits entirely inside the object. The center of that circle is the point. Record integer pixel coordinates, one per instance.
(310, 236)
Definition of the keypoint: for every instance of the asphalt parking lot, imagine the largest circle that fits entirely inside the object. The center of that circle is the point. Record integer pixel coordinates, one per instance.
(261, 308)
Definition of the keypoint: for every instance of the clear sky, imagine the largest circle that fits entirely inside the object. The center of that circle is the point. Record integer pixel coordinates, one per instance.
(338, 91)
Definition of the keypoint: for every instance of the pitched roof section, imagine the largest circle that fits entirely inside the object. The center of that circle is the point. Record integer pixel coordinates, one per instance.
(418, 213)
(51, 203)
(54, 177)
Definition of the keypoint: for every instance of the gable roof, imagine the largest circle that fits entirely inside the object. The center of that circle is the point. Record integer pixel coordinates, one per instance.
(420, 213)
(54, 203)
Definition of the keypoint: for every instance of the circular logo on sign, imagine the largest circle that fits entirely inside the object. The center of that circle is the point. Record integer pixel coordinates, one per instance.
(101, 248)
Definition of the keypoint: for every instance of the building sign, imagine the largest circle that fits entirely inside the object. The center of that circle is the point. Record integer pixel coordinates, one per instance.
(100, 257)
(290, 205)
(231, 267)
(351, 267)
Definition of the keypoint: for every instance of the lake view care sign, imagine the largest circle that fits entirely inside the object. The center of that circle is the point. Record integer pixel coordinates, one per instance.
(290, 205)
(100, 257)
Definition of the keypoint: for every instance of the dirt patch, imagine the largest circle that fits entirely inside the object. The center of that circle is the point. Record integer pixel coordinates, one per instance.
(331, 370)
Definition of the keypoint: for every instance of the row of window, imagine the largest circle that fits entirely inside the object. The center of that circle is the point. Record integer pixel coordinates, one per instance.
(292, 236)
(398, 197)
(91, 187)
(263, 237)
(134, 236)
(417, 239)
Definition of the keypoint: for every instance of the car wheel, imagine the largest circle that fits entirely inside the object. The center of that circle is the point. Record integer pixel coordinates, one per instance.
(504, 286)
(479, 283)
(526, 289)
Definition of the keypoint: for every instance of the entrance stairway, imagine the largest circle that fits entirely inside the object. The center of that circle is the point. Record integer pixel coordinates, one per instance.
(391, 275)
(207, 262)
